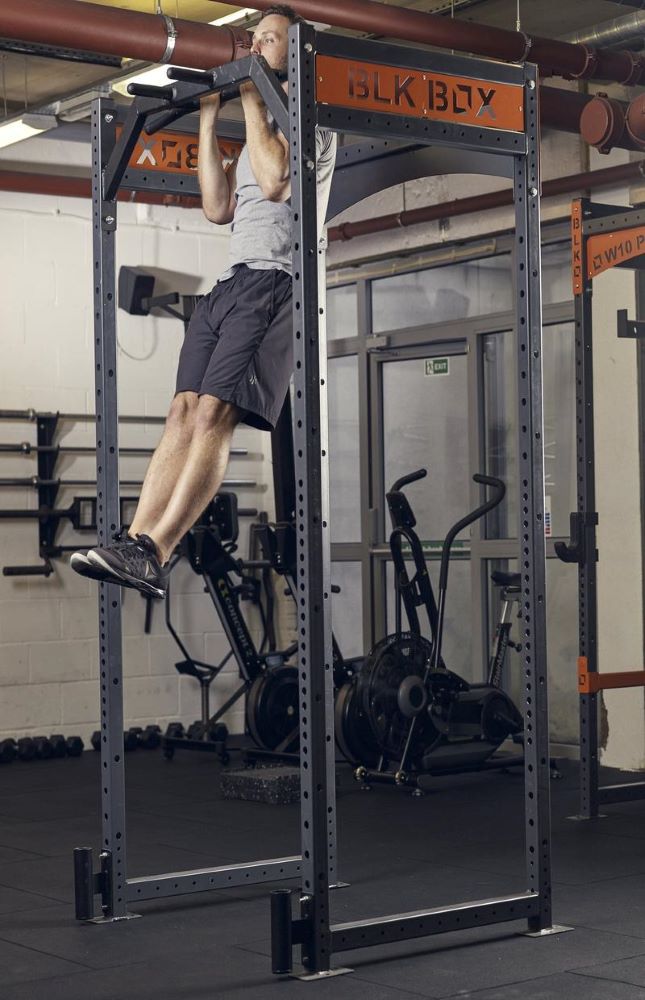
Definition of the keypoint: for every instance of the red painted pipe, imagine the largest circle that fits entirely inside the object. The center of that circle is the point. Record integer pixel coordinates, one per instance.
(81, 187)
(635, 121)
(603, 124)
(93, 28)
(589, 181)
(552, 56)
(113, 31)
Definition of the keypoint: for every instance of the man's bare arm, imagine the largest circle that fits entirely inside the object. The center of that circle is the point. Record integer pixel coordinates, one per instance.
(268, 149)
(216, 184)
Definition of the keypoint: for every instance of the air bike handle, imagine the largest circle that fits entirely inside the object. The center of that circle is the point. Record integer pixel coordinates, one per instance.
(412, 477)
(499, 491)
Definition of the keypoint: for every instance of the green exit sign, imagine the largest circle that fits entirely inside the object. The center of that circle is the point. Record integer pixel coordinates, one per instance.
(437, 366)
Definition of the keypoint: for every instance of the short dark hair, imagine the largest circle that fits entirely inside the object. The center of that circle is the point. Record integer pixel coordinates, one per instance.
(283, 10)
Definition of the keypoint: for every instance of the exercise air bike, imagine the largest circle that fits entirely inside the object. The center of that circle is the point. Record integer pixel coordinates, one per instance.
(405, 714)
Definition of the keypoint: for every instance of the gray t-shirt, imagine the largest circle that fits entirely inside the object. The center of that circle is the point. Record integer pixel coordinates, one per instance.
(261, 229)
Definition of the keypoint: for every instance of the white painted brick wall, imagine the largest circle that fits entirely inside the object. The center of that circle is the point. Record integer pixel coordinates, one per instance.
(48, 645)
(48, 627)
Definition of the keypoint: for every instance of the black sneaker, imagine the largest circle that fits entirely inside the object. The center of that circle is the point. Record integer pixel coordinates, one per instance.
(81, 563)
(133, 562)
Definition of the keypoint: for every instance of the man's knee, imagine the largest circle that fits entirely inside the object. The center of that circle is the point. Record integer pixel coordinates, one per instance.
(216, 414)
(183, 412)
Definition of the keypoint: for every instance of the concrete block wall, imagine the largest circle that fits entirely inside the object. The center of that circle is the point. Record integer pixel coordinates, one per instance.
(48, 627)
(48, 652)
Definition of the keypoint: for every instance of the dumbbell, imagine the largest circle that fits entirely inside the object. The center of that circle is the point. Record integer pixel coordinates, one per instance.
(26, 748)
(150, 738)
(175, 731)
(95, 739)
(44, 749)
(131, 738)
(74, 745)
(59, 745)
(218, 733)
(196, 731)
(8, 751)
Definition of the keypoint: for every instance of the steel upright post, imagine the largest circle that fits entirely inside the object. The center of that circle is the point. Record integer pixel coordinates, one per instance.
(313, 537)
(113, 865)
(531, 508)
(586, 505)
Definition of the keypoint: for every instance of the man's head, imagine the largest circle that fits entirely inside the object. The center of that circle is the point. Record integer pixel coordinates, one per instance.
(270, 38)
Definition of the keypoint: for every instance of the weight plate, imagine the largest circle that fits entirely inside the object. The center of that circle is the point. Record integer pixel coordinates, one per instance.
(354, 736)
(272, 708)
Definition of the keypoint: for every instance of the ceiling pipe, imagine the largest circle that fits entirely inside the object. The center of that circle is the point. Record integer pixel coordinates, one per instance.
(615, 32)
(603, 124)
(59, 186)
(589, 181)
(635, 121)
(553, 57)
(114, 32)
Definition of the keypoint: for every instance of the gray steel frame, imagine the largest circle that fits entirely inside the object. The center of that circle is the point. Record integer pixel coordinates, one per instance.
(517, 155)
(596, 218)
(111, 882)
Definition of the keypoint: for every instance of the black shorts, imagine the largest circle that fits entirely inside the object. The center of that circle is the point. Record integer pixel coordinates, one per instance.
(239, 344)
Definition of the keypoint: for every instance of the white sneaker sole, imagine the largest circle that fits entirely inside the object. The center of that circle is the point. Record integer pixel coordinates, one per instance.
(142, 586)
(84, 567)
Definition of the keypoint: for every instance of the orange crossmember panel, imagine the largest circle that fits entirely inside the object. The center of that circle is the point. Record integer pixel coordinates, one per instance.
(174, 152)
(591, 683)
(419, 93)
(576, 246)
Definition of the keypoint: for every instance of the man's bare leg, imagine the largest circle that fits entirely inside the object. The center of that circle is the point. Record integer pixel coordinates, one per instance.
(166, 464)
(201, 475)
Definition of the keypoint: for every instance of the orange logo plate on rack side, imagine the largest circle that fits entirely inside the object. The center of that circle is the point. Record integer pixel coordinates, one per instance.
(577, 248)
(419, 94)
(174, 152)
(606, 250)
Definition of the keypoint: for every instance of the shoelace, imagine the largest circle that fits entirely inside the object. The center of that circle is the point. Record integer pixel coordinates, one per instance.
(138, 557)
(121, 539)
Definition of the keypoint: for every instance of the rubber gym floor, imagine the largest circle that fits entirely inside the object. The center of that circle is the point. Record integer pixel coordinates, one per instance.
(462, 841)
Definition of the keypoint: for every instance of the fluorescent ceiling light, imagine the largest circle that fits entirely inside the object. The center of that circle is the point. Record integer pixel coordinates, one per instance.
(157, 76)
(15, 130)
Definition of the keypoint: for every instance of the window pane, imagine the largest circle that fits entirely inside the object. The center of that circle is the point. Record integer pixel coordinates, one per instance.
(425, 421)
(500, 422)
(342, 312)
(438, 294)
(556, 273)
(344, 458)
(560, 424)
(558, 354)
(562, 647)
(347, 608)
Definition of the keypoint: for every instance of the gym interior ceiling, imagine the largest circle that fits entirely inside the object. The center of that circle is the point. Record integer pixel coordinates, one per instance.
(30, 81)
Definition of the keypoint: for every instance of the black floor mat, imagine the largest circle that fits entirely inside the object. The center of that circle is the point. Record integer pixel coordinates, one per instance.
(461, 841)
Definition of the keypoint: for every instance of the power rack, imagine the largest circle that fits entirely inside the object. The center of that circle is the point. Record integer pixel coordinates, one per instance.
(603, 237)
(440, 114)
(488, 112)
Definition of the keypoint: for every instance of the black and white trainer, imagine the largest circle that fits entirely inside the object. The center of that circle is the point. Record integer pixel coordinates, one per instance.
(133, 562)
(82, 565)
